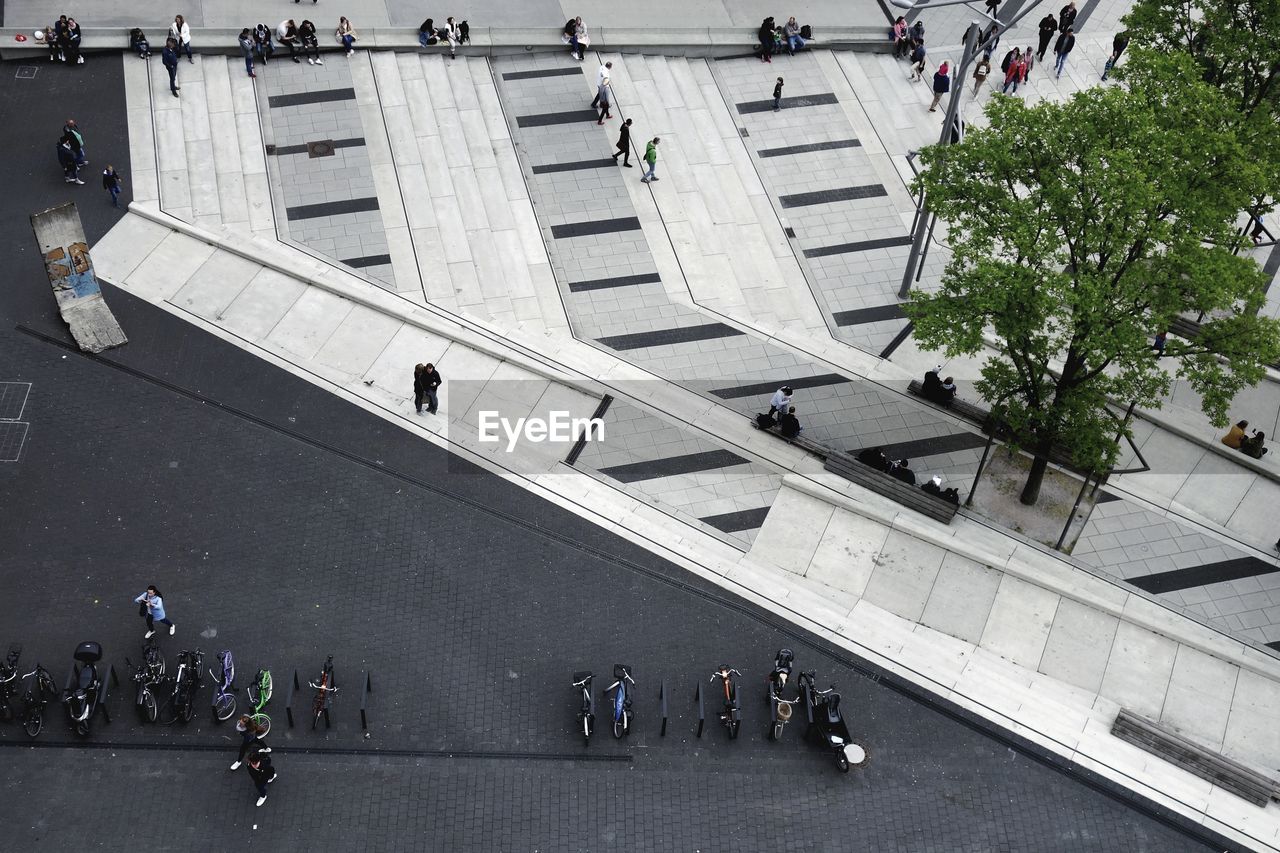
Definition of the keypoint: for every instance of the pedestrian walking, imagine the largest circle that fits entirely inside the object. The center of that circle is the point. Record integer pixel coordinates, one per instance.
(1162, 339)
(169, 56)
(980, 73)
(1118, 44)
(1067, 17)
(151, 606)
(246, 48)
(1013, 73)
(111, 182)
(310, 42)
(941, 85)
(602, 79)
(1028, 62)
(917, 62)
(780, 401)
(602, 98)
(651, 158)
(1062, 47)
(346, 35)
(180, 32)
(624, 144)
(72, 131)
(426, 383)
(261, 773)
(1048, 29)
(67, 159)
(251, 735)
(262, 42)
(991, 38)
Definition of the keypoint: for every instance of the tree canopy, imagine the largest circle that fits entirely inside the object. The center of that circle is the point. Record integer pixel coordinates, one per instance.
(1078, 231)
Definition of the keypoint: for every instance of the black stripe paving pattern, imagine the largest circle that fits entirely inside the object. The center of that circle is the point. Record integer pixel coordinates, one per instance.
(1209, 573)
(663, 337)
(832, 196)
(862, 246)
(759, 388)
(617, 281)
(787, 103)
(733, 522)
(673, 465)
(298, 99)
(859, 316)
(922, 447)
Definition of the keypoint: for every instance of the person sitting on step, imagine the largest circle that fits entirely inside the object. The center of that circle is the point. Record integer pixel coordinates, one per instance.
(789, 424)
(875, 458)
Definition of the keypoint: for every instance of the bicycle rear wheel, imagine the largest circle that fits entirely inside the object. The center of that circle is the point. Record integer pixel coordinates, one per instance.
(186, 708)
(263, 722)
(224, 706)
(148, 709)
(266, 687)
(33, 723)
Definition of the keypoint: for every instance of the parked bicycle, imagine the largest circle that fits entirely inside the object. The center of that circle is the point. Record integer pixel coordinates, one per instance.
(730, 714)
(621, 699)
(325, 688)
(224, 700)
(587, 710)
(39, 690)
(9, 682)
(82, 699)
(259, 695)
(147, 677)
(187, 681)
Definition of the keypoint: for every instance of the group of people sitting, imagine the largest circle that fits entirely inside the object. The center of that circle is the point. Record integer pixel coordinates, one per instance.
(63, 40)
(781, 414)
(900, 469)
(451, 34)
(788, 37)
(938, 390)
(1249, 445)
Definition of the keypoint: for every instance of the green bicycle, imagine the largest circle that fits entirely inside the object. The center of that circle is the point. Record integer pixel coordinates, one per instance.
(259, 695)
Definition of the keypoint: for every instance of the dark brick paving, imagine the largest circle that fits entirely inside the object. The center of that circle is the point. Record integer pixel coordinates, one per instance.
(287, 525)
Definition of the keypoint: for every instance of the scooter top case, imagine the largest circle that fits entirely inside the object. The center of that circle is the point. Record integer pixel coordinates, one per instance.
(88, 652)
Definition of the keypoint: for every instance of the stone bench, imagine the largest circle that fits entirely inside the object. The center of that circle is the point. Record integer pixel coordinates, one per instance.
(1195, 759)
(674, 41)
(838, 462)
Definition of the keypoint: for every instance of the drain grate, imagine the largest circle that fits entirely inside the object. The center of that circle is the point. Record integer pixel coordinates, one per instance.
(320, 148)
(26, 72)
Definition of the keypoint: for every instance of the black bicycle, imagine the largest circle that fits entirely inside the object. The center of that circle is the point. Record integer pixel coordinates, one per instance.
(39, 690)
(9, 681)
(147, 677)
(325, 688)
(187, 682)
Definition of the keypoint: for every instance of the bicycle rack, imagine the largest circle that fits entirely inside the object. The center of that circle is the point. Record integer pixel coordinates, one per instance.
(697, 697)
(364, 696)
(109, 680)
(662, 701)
(288, 699)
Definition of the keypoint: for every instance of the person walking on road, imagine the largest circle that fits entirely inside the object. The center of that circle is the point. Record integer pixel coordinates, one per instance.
(651, 158)
(111, 182)
(1067, 17)
(941, 85)
(1065, 43)
(1048, 29)
(602, 98)
(602, 80)
(261, 773)
(67, 159)
(250, 739)
(624, 144)
(980, 73)
(1118, 44)
(180, 32)
(169, 56)
(1013, 74)
(153, 609)
(72, 130)
(246, 48)
(917, 61)
(777, 95)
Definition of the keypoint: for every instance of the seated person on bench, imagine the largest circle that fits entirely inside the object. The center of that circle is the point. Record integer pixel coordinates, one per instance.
(874, 457)
(934, 487)
(902, 470)
(789, 424)
(1254, 445)
(938, 390)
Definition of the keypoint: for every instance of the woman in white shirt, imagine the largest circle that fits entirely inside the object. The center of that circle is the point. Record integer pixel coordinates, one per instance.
(180, 32)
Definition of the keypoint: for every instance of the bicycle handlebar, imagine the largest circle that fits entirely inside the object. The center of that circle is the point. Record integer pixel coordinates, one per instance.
(323, 687)
(720, 673)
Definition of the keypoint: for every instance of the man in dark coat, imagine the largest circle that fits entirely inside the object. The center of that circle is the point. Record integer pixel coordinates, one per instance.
(1067, 17)
(169, 56)
(624, 144)
(1062, 47)
(1048, 28)
(789, 424)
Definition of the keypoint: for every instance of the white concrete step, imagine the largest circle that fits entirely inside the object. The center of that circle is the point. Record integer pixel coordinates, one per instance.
(228, 170)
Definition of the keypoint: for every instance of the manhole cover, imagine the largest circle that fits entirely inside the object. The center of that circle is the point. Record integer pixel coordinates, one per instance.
(322, 148)
(26, 72)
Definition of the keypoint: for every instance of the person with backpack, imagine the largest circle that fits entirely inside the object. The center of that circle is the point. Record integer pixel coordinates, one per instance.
(1065, 43)
(1048, 28)
(941, 85)
(980, 73)
(651, 157)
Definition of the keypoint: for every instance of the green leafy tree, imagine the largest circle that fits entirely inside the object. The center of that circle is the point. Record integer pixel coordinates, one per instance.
(1080, 229)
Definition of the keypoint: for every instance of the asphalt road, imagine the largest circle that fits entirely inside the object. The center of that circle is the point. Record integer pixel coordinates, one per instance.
(288, 525)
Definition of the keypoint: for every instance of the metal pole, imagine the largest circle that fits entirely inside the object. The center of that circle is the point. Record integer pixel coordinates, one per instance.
(953, 107)
(933, 220)
(1071, 516)
(981, 464)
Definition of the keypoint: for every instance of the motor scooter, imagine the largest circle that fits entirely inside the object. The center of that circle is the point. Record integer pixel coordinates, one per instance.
(82, 699)
(826, 721)
(780, 710)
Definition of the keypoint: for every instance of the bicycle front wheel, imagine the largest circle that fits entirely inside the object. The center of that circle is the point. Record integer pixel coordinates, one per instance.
(263, 722)
(148, 708)
(33, 723)
(224, 705)
(186, 709)
(266, 687)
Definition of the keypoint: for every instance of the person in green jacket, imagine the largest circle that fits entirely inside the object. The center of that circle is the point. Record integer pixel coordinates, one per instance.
(651, 157)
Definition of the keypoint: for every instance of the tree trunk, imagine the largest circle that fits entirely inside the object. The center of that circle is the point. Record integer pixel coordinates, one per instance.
(1031, 489)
